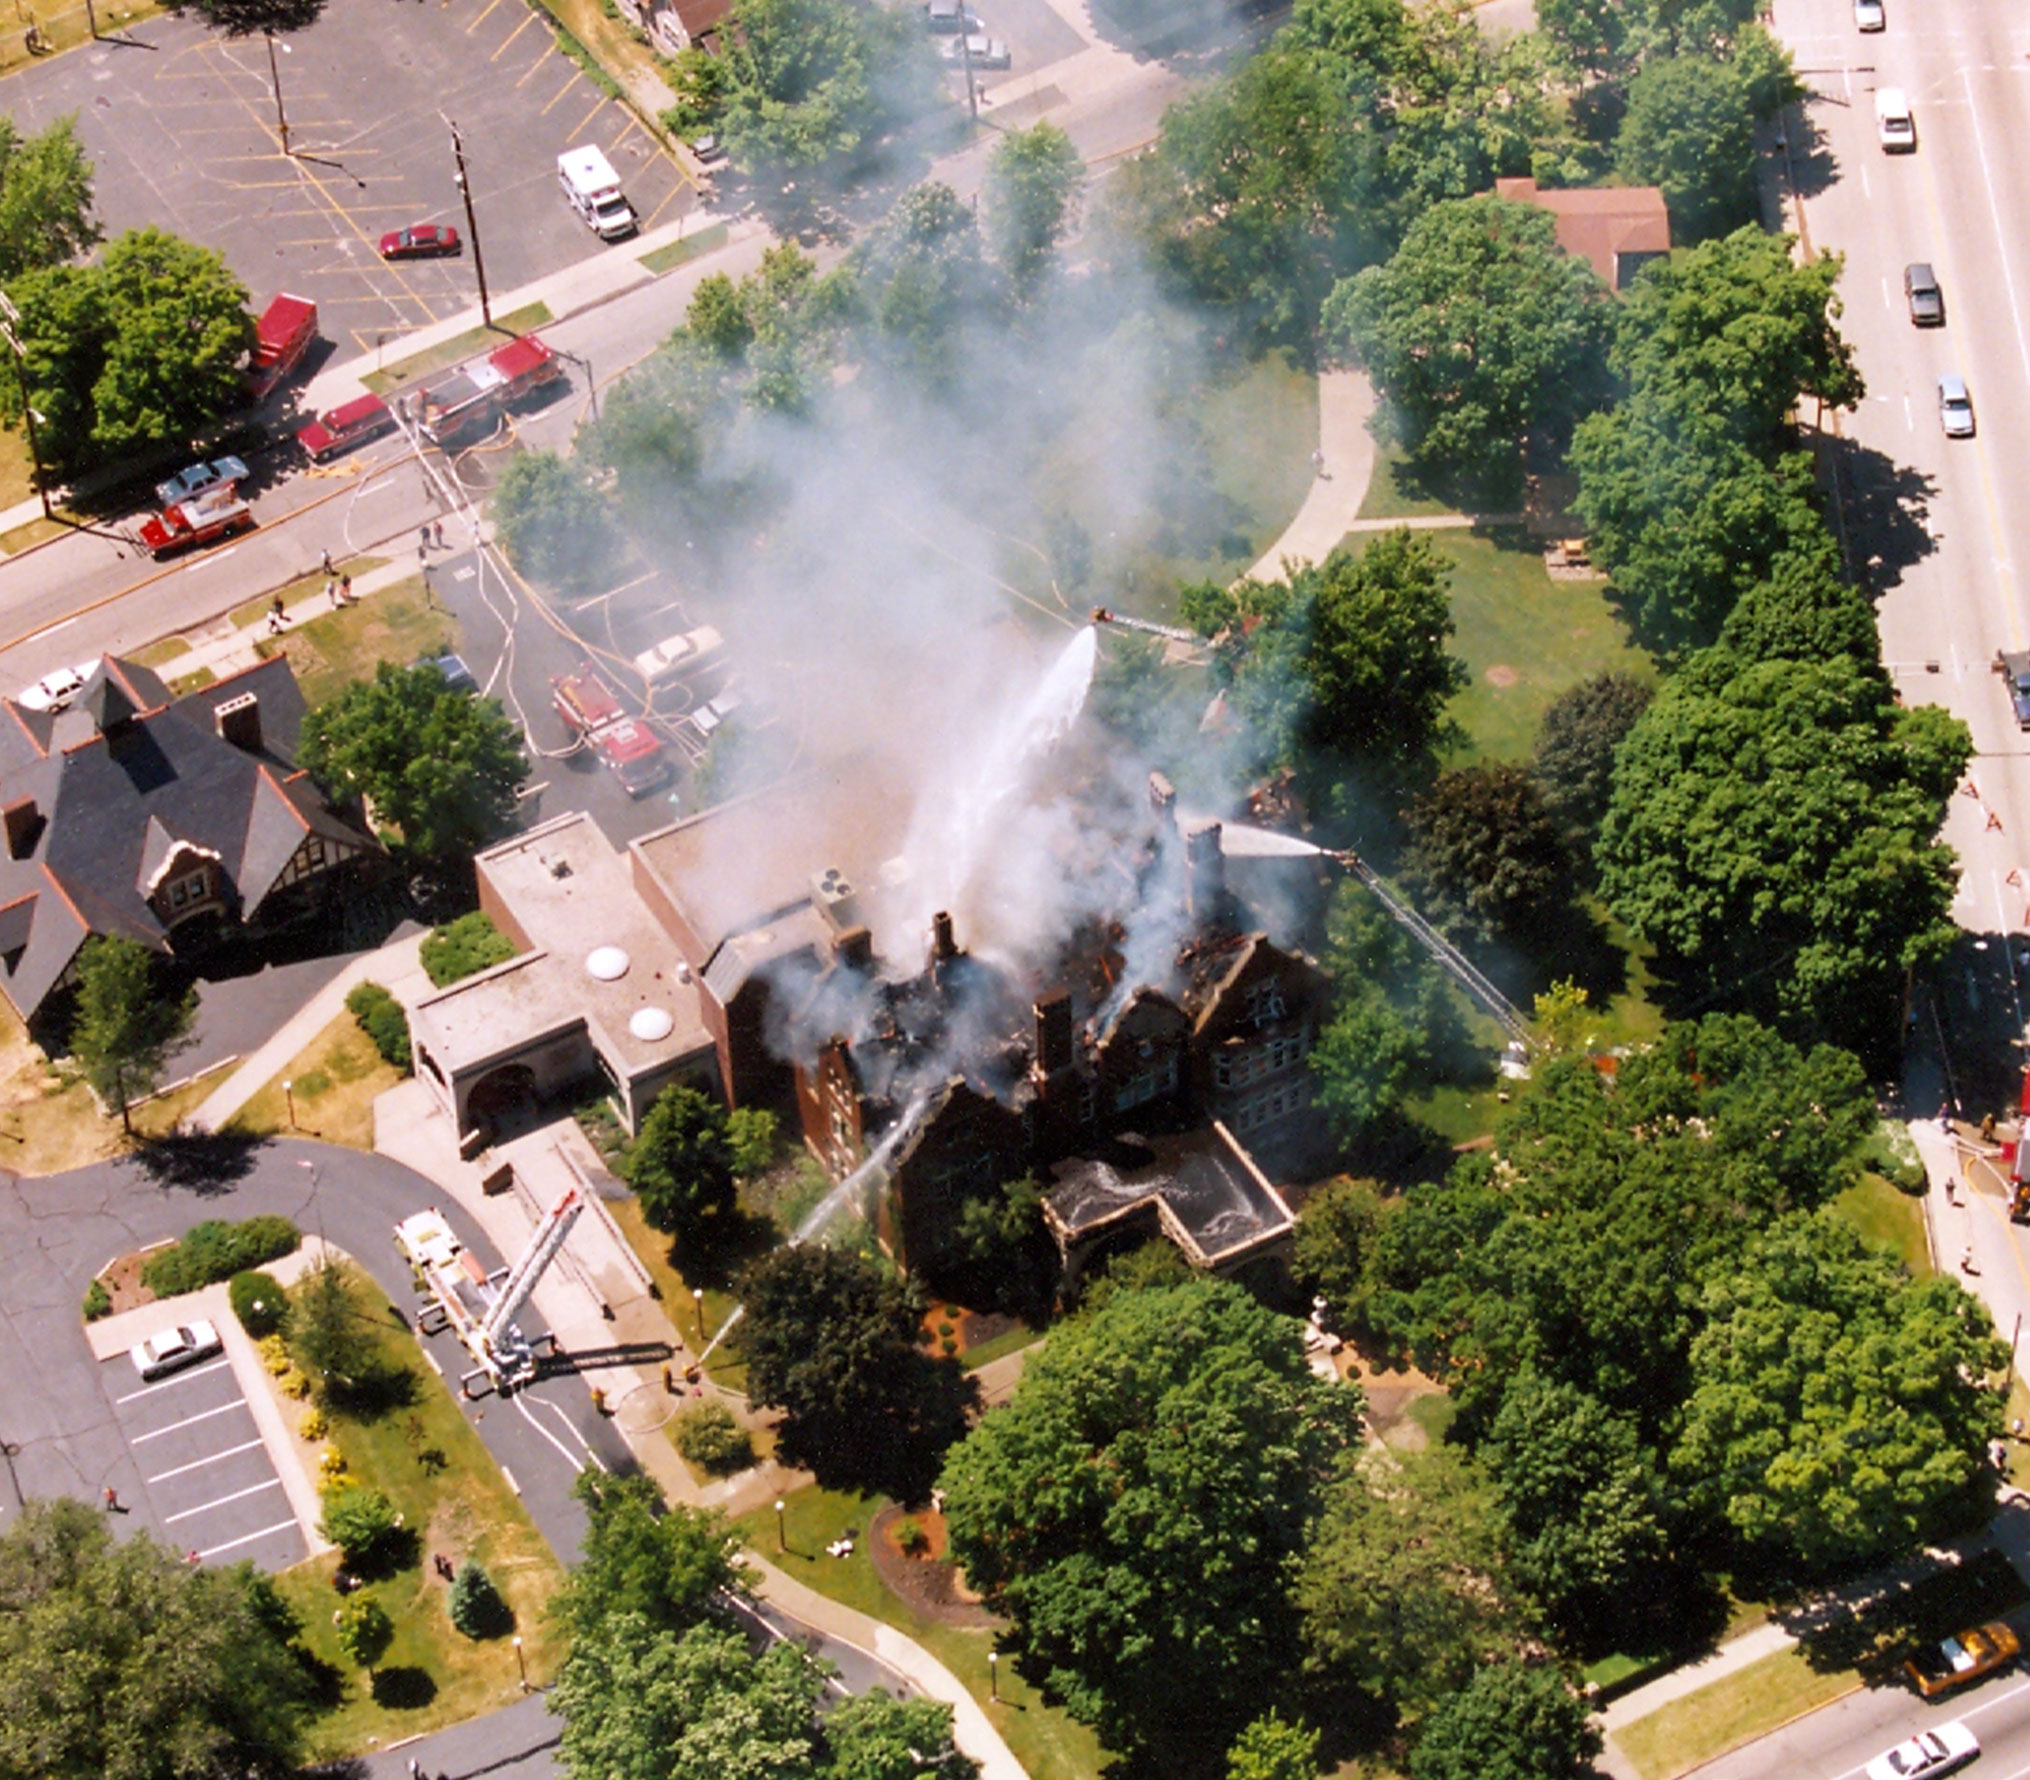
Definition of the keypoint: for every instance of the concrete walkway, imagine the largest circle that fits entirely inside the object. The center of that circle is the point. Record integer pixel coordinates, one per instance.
(1332, 508)
(392, 964)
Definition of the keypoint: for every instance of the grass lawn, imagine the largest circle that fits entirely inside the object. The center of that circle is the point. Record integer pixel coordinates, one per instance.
(1888, 1220)
(334, 1080)
(1263, 427)
(1524, 638)
(66, 25)
(448, 1489)
(458, 348)
(1387, 498)
(1048, 1742)
(726, 1368)
(1749, 1703)
(688, 247)
(311, 586)
(331, 651)
(1007, 1342)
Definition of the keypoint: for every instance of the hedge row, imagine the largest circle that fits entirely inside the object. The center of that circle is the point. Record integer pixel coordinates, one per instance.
(216, 1250)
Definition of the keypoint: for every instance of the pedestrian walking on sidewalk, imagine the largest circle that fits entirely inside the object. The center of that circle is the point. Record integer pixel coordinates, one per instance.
(437, 533)
(327, 562)
(345, 590)
(331, 592)
(112, 1500)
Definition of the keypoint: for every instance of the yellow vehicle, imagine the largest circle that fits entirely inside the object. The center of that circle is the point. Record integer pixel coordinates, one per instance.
(1965, 1658)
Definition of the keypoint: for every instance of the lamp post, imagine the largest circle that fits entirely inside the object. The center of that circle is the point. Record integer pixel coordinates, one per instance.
(521, 1663)
(289, 1100)
(781, 1535)
(275, 76)
(698, 1304)
(994, 1676)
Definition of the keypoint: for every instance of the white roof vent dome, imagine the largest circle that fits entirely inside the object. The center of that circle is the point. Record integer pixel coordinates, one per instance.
(650, 1024)
(607, 963)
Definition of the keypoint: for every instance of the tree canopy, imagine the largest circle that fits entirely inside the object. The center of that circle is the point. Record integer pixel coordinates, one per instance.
(1511, 1721)
(128, 1025)
(1690, 130)
(1486, 858)
(553, 523)
(681, 1163)
(45, 197)
(831, 1338)
(1840, 1410)
(1773, 833)
(1577, 739)
(658, 1567)
(1140, 1511)
(443, 767)
(123, 1662)
(1032, 185)
(1480, 332)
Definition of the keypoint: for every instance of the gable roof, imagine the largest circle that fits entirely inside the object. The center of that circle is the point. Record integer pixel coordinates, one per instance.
(126, 781)
(1614, 228)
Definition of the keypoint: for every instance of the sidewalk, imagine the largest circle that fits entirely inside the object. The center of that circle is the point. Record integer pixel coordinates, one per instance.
(1332, 508)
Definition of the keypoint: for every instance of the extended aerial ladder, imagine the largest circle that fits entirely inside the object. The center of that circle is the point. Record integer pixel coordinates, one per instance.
(1121, 621)
(481, 1308)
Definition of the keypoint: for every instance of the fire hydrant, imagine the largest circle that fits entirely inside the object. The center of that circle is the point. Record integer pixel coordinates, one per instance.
(598, 1401)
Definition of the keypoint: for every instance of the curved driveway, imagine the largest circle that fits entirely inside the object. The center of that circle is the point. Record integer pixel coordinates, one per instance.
(56, 1424)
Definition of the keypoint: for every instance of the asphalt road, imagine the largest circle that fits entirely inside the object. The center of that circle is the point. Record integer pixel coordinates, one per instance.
(184, 135)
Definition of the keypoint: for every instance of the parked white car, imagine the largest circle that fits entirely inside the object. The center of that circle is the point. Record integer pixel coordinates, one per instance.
(170, 1350)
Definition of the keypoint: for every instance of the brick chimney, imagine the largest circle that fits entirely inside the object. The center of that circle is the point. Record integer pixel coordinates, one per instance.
(854, 948)
(239, 721)
(23, 823)
(1053, 1032)
(943, 947)
(1204, 870)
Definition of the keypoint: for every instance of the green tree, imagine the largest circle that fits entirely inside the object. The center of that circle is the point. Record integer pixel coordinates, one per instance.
(1480, 333)
(1773, 833)
(1032, 186)
(45, 197)
(874, 1736)
(364, 1631)
(717, 317)
(1404, 1590)
(442, 767)
(1690, 129)
(660, 1568)
(1486, 860)
(1272, 1748)
(1375, 659)
(1582, 1500)
(330, 1331)
(751, 1138)
(1840, 1410)
(681, 1164)
(922, 283)
(123, 1662)
(1335, 1247)
(642, 1701)
(362, 1523)
(475, 1605)
(1511, 1721)
(830, 1338)
(1576, 742)
(128, 1025)
(553, 524)
(1141, 1508)
(239, 18)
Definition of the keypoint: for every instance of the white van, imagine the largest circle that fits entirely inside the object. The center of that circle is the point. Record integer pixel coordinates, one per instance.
(1894, 126)
(593, 187)
(678, 655)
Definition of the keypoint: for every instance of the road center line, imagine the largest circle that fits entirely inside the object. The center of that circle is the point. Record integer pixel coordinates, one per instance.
(198, 1464)
(190, 1421)
(273, 1483)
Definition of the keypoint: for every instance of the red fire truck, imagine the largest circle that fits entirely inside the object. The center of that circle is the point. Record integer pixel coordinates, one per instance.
(203, 519)
(466, 404)
(281, 337)
(585, 702)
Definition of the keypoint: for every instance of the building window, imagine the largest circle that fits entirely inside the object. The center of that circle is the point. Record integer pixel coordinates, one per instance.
(1267, 1106)
(1144, 1085)
(1265, 1003)
(187, 891)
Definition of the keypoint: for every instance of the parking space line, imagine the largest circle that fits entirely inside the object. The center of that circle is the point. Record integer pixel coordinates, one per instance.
(563, 92)
(511, 36)
(199, 1464)
(157, 1384)
(670, 197)
(535, 68)
(273, 1483)
(486, 13)
(249, 1538)
(589, 116)
(192, 1420)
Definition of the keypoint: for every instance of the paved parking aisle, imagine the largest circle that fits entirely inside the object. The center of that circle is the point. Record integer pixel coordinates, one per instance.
(207, 1482)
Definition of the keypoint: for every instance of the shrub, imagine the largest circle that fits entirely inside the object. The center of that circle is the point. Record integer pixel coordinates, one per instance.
(291, 1382)
(464, 947)
(361, 1522)
(332, 1468)
(475, 1605)
(709, 1436)
(98, 1301)
(381, 1018)
(911, 1537)
(216, 1250)
(314, 1424)
(258, 1301)
(274, 1354)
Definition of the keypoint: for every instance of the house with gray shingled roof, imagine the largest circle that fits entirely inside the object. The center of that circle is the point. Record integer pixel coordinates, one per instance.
(175, 821)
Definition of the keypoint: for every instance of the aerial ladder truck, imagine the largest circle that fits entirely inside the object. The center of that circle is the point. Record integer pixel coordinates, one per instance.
(481, 1307)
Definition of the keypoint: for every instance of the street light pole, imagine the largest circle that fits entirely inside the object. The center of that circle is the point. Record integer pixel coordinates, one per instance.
(471, 224)
(522, 1663)
(698, 1304)
(781, 1537)
(994, 1676)
(10, 319)
(289, 1099)
(275, 75)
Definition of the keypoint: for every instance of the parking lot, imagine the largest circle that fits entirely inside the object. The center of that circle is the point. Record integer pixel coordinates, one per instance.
(186, 136)
(207, 1483)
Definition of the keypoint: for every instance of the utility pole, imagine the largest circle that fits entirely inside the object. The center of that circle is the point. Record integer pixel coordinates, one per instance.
(471, 224)
(966, 59)
(275, 76)
(92, 19)
(10, 322)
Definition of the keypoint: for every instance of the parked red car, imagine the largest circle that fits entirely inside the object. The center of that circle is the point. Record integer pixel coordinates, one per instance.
(420, 241)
